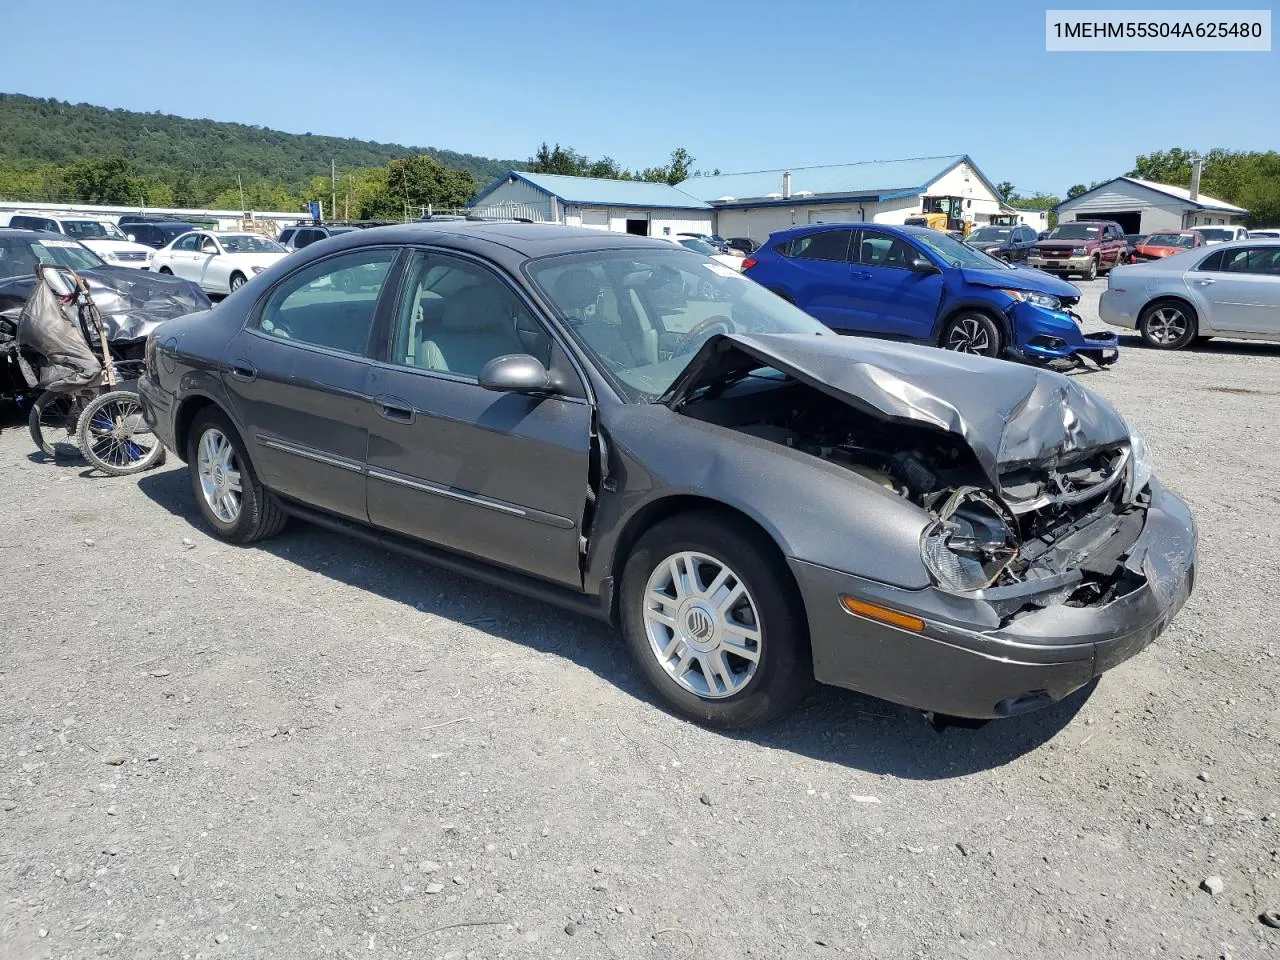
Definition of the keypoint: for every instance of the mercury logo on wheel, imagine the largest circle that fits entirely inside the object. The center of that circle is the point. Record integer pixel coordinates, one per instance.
(699, 624)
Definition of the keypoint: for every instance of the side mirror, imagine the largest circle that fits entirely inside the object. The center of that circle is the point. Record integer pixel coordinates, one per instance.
(921, 264)
(518, 373)
(132, 238)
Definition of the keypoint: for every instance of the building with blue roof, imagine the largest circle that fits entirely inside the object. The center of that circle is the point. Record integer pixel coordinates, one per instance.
(751, 204)
(624, 206)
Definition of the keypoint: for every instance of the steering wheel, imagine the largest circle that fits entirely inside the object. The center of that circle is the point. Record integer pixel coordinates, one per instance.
(684, 344)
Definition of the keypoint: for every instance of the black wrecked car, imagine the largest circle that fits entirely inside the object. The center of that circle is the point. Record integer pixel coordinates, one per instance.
(132, 302)
(634, 431)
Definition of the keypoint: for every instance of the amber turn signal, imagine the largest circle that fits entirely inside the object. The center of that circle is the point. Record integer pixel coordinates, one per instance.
(874, 611)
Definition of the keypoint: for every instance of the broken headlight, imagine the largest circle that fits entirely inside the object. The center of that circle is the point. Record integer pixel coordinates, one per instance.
(1139, 463)
(1034, 296)
(972, 541)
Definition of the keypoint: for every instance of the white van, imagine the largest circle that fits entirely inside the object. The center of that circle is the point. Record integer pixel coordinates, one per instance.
(101, 236)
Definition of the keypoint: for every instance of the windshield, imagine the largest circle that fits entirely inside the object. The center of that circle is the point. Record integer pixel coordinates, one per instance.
(698, 246)
(957, 254)
(19, 256)
(642, 314)
(1074, 231)
(991, 233)
(93, 230)
(1168, 240)
(249, 243)
(1216, 234)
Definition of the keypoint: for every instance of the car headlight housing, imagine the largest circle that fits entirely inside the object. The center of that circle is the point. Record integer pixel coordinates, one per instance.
(1140, 468)
(1079, 251)
(1039, 299)
(972, 541)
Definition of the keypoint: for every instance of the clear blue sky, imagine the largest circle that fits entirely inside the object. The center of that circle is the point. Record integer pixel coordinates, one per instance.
(744, 85)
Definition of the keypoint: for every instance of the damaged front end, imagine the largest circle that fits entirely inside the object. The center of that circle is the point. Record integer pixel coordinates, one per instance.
(1036, 500)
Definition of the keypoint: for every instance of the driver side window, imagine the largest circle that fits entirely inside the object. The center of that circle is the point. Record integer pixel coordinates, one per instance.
(187, 243)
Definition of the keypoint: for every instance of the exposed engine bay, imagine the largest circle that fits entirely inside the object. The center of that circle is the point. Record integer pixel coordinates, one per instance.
(1053, 533)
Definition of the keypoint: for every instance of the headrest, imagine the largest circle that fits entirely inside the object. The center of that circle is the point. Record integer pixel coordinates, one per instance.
(473, 309)
(575, 289)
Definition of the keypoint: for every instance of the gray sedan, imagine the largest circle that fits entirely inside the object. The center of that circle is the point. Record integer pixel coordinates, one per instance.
(1227, 290)
(634, 431)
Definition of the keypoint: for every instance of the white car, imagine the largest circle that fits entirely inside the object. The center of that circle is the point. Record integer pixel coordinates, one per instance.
(1214, 235)
(1228, 290)
(220, 262)
(101, 236)
(1268, 233)
(710, 251)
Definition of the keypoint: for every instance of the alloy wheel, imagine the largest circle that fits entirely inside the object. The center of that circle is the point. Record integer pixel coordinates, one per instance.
(702, 625)
(968, 336)
(219, 473)
(1167, 325)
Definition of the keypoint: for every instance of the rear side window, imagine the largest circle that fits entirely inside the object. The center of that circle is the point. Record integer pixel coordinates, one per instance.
(1213, 262)
(827, 245)
(329, 303)
(285, 235)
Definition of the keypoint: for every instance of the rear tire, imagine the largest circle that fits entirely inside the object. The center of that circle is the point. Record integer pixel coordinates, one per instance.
(54, 423)
(972, 332)
(732, 657)
(1168, 325)
(166, 271)
(231, 498)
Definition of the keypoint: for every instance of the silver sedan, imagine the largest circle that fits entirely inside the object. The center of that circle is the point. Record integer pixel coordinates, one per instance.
(1228, 290)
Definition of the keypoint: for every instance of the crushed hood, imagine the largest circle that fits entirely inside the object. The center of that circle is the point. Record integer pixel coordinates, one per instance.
(1023, 278)
(1010, 415)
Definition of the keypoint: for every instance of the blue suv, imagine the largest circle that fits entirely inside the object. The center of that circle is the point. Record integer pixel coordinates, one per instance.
(913, 283)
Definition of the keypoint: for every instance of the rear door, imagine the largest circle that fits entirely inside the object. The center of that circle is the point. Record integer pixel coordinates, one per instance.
(184, 257)
(890, 298)
(1244, 292)
(299, 373)
(818, 275)
(500, 476)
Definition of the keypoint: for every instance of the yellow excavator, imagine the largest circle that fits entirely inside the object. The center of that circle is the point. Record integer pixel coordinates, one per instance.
(941, 213)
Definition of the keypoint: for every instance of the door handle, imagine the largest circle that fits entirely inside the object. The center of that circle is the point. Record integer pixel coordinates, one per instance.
(1206, 281)
(395, 409)
(244, 371)
(859, 275)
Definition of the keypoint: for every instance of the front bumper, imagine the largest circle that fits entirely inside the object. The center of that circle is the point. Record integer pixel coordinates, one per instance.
(1060, 264)
(1043, 334)
(969, 662)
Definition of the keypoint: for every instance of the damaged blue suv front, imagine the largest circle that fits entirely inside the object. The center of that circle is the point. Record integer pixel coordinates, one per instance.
(913, 283)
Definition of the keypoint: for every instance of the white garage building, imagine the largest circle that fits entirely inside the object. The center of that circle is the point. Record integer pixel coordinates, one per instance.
(885, 191)
(1143, 206)
(623, 206)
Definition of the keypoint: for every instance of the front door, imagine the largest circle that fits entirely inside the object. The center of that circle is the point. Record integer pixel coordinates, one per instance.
(889, 297)
(185, 259)
(300, 377)
(500, 476)
(1244, 292)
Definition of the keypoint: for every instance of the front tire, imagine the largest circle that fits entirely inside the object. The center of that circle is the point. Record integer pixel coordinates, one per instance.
(237, 281)
(230, 496)
(1092, 273)
(972, 332)
(54, 424)
(1168, 325)
(115, 437)
(166, 271)
(714, 621)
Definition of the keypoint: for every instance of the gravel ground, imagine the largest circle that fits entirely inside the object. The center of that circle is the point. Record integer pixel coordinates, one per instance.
(312, 748)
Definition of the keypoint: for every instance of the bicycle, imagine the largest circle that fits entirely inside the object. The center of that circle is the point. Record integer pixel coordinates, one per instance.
(100, 418)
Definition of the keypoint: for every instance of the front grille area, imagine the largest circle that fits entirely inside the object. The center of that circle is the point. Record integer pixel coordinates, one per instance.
(130, 256)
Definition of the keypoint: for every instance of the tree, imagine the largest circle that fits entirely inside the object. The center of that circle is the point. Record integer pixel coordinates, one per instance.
(1005, 189)
(108, 180)
(561, 160)
(1078, 190)
(1248, 179)
(423, 180)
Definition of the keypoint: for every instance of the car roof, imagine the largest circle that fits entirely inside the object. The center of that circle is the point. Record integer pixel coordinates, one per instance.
(526, 239)
(19, 233)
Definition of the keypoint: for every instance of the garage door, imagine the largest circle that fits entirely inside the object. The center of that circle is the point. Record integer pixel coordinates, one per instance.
(835, 215)
(596, 218)
(1130, 220)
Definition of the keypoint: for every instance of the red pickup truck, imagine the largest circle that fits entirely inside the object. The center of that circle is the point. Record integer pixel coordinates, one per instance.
(1084, 247)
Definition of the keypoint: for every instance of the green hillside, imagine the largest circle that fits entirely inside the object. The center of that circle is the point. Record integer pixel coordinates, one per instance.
(35, 131)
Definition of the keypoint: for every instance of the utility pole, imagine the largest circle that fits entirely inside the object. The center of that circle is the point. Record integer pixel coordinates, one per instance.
(333, 186)
(240, 184)
(346, 204)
